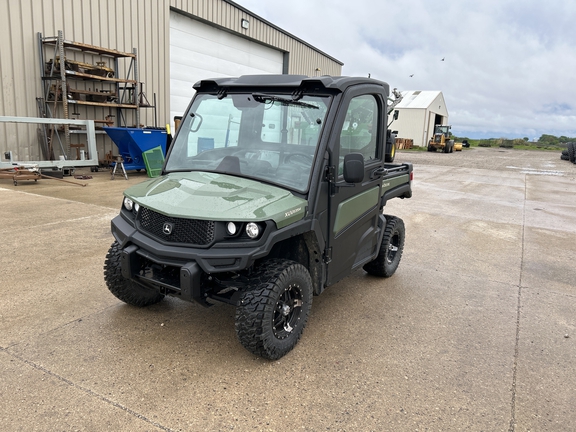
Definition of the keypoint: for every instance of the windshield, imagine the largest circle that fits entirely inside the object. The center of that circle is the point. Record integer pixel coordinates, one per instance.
(267, 137)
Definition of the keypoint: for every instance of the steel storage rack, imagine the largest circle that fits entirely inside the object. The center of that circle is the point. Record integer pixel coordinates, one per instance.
(87, 78)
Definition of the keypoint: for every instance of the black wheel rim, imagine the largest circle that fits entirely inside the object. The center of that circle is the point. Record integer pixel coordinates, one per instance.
(287, 312)
(393, 248)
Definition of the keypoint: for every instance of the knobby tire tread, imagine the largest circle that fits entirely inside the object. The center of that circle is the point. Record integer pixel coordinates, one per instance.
(572, 152)
(257, 303)
(379, 266)
(122, 288)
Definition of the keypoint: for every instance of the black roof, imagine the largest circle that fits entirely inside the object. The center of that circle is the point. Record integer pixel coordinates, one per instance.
(285, 82)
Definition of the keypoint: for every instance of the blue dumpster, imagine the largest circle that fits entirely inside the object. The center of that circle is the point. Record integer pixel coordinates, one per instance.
(132, 142)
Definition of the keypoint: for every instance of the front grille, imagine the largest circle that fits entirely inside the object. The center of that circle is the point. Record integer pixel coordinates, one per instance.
(190, 231)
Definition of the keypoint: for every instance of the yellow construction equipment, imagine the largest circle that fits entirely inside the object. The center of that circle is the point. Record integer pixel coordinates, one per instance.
(441, 140)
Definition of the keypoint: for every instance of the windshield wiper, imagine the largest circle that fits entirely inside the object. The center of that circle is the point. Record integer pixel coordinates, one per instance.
(262, 97)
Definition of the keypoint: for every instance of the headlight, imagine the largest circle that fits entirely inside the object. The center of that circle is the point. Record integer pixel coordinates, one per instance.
(231, 228)
(252, 230)
(128, 204)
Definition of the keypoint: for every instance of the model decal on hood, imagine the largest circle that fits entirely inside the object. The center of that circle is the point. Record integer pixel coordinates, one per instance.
(291, 212)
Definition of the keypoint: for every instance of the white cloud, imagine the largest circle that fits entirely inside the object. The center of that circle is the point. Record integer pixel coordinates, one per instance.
(509, 69)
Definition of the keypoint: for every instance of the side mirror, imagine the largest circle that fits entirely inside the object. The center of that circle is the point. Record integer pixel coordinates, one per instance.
(353, 168)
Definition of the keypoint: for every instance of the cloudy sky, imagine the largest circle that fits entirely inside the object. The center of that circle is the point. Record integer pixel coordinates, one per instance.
(509, 69)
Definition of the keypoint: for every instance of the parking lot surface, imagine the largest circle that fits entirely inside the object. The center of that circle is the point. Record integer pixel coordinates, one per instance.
(475, 331)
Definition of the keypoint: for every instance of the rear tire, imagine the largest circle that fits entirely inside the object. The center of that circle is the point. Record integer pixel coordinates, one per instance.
(124, 289)
(391, 248)
(272, 313)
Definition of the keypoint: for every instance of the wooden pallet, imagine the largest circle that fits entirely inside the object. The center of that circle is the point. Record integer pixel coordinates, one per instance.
(404, 143)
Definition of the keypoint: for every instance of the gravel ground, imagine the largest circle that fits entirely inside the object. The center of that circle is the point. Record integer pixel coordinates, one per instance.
(533, 161)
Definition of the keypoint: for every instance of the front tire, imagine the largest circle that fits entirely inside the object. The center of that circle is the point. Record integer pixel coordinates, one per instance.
(391, 248)
(272, 313)
(392, 154)
(122, 288)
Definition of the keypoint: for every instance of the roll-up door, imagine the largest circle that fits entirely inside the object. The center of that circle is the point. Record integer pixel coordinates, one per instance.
(199, 51)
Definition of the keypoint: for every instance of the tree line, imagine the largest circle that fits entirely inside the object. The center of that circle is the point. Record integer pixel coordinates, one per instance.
(545, 141)
(553, 140)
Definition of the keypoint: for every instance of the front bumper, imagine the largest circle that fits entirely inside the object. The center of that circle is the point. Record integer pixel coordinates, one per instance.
(183, 271)
(210, 260)
(187, 284)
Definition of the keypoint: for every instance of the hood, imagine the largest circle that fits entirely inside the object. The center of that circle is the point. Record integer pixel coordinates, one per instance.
(219, 197)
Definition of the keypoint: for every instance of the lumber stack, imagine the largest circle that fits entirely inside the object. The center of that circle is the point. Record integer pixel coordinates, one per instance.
(404, 143)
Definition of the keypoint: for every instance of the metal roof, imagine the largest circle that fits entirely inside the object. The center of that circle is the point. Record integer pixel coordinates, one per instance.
(418, 99)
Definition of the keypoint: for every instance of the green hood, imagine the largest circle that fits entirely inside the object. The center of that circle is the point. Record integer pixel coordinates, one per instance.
(220, 197)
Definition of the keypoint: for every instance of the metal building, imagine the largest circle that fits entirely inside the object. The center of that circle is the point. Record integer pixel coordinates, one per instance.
(419, 112)
(177, 42)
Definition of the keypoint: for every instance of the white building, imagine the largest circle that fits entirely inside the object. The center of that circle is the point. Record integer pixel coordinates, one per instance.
(419, 112)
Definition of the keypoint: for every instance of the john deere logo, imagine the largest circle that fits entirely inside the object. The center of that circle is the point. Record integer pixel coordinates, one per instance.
(167, 228)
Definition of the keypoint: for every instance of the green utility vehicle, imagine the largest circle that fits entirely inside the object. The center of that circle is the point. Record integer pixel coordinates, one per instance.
(273, 190)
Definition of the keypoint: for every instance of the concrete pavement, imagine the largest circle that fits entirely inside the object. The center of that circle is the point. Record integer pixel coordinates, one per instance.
(476, 330)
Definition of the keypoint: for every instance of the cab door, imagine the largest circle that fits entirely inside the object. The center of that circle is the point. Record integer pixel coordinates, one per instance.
(354, 208)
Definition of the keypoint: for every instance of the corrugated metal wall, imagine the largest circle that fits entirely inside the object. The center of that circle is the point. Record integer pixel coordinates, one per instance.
(121, 25)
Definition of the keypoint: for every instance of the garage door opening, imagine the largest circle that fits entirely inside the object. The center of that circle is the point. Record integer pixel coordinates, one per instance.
(199, 51)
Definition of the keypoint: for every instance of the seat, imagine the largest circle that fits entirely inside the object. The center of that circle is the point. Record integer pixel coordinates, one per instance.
(260, 167)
